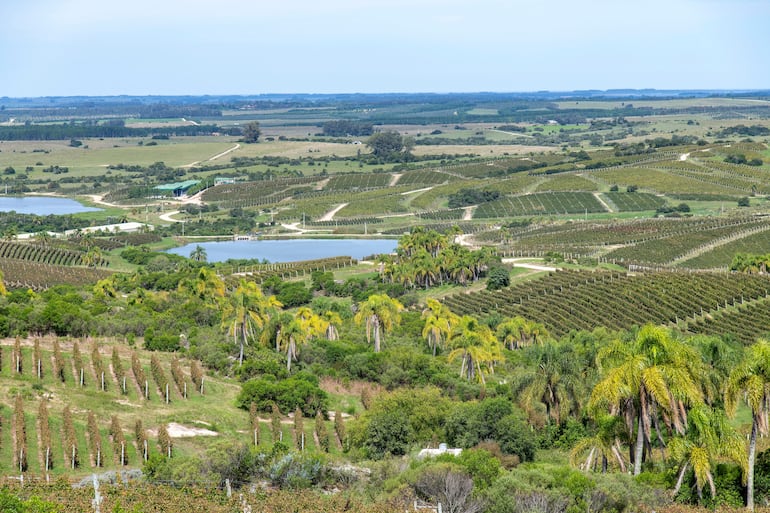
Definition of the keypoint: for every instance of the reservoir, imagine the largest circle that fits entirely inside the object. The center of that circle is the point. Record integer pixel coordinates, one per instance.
(289, 250)
(42, 205)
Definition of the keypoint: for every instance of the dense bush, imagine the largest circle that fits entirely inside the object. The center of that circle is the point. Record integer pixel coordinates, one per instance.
(160, 341)
(397, 420)
(465, 197)
(497, 278)
(299, 391)
(494, 419)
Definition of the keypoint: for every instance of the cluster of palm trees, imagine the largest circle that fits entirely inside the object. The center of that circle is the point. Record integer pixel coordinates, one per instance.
(478, 347)
(653, 392)
(752, 264)
(657, 391)
(249, 315)
(426, 258)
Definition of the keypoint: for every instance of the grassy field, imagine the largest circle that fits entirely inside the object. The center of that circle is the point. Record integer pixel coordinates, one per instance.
(213, 411)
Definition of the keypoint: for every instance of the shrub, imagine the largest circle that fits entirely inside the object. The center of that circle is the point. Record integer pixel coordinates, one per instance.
(388, 434)
(160, 342)
(481, 465)
(498, 277)
(492, 419)
(299, 391)
(295, 471)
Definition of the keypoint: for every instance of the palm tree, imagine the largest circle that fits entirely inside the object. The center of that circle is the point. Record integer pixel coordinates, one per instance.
(43, 238)
(93, 257)
(439, 321)
(751, 380)
(709, 436)
(512, 332)
(206, 285)
(199, 254)
(721, 356)
(288, 336)
(519, 332)
(426, 269)
(652, 373)
(601, 449)
(333, 321)
(245, 311)
(381, 313)
(475, 344)
(552, 377)
(290, 332)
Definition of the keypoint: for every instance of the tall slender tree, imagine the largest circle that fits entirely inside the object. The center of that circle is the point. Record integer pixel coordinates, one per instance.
(247, 310)
(553, 377)
(380, 313)
(709, 437)
(439, 321)
(750, 380)
(476, 346)
(650, 375)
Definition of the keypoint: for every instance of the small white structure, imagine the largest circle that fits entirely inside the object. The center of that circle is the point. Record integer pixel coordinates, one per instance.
(442, 449)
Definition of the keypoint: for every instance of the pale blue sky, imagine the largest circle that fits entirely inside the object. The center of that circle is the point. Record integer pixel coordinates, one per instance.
(106, 47)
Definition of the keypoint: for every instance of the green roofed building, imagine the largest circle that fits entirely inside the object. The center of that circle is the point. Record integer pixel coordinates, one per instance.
(178, 188)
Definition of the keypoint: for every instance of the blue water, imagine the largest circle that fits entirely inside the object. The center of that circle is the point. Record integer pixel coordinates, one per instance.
(42, 205)
(289, 250)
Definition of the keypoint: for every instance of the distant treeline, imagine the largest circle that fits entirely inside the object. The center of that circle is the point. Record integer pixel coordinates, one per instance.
(124, 109)
(31, 223)
(752, 130)
(343, 127)
(67, 131)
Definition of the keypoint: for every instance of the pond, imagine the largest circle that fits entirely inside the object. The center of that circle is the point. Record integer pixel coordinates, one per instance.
(289, 250)
(42, 205)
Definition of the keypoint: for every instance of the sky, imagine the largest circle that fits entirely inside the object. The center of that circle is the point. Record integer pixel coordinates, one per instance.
(194, 47)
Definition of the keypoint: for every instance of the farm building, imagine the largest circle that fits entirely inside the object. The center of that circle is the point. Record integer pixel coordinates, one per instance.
(177, 188)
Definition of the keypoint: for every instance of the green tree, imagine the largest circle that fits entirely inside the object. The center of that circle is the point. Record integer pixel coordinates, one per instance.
(651, 374)
(293, 332)
(709, 437)
(476, 346)
(93, 257)
(603, 448)
(439, 321)
(750, 380)
(552, 376)
(206, 285)
(245, 311)
(333, 322)
(251, 132)
(513, 333)
(380, 313)
(386, 144)
(199, 254)
(498, 278)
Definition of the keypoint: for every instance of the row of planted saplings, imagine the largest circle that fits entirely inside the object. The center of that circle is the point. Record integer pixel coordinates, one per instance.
(70, 455)
(100, 373)
(322, 437)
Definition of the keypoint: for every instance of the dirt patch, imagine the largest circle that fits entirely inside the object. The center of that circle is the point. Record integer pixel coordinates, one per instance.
(179, 431)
